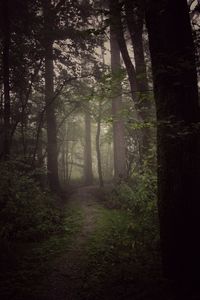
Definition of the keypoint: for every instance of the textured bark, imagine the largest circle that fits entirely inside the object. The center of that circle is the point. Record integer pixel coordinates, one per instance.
(88, 175)
(120, 171)
(6, 78)
(176, 95)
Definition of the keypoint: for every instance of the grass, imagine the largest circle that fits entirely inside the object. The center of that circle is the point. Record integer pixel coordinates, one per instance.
(116, 262)
(24, 266)
(116, 266)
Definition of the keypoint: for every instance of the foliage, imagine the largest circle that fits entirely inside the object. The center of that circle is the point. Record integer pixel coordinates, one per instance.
(26, 211)
(26, 266)
(141, 204)
(114, 260)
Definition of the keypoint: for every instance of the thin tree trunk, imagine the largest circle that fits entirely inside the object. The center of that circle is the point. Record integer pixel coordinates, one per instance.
(98, 150)
(117, 28)
(52, 152)
(120, 171)
(52, 155)
(137, 78)
(6, 77)
(135, 22)
(88, 175)
(176, 95)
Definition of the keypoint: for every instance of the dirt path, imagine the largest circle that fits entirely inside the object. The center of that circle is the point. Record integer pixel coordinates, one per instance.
(68, 277)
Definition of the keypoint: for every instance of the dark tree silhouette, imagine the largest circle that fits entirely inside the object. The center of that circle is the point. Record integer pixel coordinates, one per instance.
(176, 95)
(6, 76)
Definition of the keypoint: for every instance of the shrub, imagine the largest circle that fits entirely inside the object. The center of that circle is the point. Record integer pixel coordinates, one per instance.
(26, 211)
(141, 203)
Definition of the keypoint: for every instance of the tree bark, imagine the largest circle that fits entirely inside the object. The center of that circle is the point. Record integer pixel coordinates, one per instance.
(52, 153)
(88, 175)
(176, 95)
(120, 171)
(6, 78)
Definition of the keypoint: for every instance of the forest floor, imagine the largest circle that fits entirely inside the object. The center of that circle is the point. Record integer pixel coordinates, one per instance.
(94, 259)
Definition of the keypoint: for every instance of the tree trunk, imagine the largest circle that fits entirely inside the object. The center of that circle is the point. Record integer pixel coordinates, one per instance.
(137, 77)
(6, 78)
(88, 176)
(117, 28)
(52, 153)
(120, 171)
(98, 151)
(176, 95)
(135, 22)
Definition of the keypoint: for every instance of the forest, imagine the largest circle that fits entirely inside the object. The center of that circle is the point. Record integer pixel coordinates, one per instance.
(99, 149)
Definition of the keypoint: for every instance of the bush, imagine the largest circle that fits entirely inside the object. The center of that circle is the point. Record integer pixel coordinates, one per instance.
(26, 211)
(141, 203)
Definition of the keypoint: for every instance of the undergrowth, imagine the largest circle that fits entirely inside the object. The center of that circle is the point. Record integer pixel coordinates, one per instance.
(27, 212)
(118, 265)
(25, 266)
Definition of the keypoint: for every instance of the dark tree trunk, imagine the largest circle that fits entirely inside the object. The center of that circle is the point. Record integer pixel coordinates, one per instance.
(176, 95)
(117, 28)
(88, 175)
(118, 124)
(135, 22)
(137, 77)
(52, 153)
(6, 77)
(98, 151)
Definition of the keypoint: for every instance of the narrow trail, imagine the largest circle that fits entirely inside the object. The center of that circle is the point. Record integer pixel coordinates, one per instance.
(67, 277)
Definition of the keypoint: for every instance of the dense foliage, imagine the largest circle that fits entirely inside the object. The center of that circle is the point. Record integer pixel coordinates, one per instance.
(27, 211)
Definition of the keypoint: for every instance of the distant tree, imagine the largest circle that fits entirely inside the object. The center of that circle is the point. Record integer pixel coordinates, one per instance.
(176, 95)
(88, 175)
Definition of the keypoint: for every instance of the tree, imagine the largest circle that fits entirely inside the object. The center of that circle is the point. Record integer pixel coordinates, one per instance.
(88, 176)
(6, 76)
(137, 75)
(118, 125)
(134, 15)
(98, 149)
(52, 153)
(176, 96)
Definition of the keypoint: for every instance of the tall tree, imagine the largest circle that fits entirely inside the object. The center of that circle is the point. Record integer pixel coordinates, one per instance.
(136, 74)
(98, 148)
(134, 15)
(88, 176)
(176, 95)
(118, 124)
(52, 154)
(6, 75)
